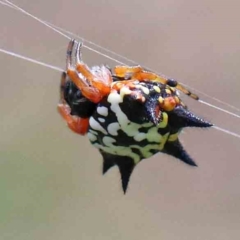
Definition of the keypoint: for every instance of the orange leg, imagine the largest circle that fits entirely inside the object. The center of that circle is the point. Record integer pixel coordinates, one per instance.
(124, 71)
(97, 83)
(144, 75)
(138, 73)
(76, 124)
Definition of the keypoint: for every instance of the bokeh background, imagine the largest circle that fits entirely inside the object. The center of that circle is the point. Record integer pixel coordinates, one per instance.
(51, 185)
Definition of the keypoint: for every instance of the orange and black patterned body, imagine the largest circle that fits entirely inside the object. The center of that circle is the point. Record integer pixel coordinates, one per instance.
(136, 116)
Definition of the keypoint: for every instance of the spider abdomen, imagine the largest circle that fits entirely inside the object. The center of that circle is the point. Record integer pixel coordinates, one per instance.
(132, 124)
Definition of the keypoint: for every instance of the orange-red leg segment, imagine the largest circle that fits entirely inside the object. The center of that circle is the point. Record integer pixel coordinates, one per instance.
(124, 71)
(76, 124)
(138, 73)
(96, 84)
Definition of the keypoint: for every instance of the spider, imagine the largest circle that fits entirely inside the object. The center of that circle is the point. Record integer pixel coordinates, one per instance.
(128, 113)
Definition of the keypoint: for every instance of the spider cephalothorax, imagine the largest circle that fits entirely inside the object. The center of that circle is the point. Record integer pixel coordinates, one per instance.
(128, 113)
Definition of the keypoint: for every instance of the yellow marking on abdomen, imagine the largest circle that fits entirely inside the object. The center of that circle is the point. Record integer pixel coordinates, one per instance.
(173, 137)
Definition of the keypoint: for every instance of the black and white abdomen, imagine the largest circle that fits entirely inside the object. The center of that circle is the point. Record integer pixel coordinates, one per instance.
(120, 127)
(134, 123)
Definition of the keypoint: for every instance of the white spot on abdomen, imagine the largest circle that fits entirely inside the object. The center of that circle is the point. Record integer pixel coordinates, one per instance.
(102, 120)
(113, 128)
(102, 111)
(91, 137)
(140, 136)
(144, 89)
(96, 125)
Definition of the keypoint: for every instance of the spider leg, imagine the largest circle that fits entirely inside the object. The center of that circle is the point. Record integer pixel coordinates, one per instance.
(171, 82)
(75, 123)
(90, 92)
(181, 88)
(138, 73)
(144, 75)
(126, 71)
(100, 78)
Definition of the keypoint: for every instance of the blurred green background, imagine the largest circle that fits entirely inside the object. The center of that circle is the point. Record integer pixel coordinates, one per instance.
(51, 185)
